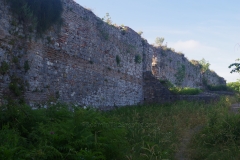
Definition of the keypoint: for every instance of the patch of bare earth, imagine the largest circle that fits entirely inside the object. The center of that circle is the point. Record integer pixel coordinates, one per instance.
(182, 152)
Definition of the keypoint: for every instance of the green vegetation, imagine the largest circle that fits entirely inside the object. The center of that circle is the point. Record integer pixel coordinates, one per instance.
(15, 59)
(235, 86)
(185, 91)
(215, 87)
(16, 86)
(204, 65)
(4, 67)
(140, 33)
(107, 19)
(123, 29)
(194, 62)
(138, 132)
(57, 133)
(218, 88)
(11, 42)
(166, 83)
(138, 58)
(180, 90)
(172, 49)
(41, 14)
(118, 59)
(180, 75)
(159, 41)
(219, 139)
(180, 53)
(26, 66)
(91, 62)
(57, 94)
(236, 65)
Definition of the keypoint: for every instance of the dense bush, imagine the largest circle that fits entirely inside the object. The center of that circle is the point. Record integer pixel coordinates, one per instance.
(4, 67)
(166, 83)
(234, 86)
(180, 90)
(57, 133)
(218, 88)
(185, 91)
(42, 14)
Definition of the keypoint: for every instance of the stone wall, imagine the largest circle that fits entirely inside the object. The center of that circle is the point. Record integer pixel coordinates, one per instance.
(172, 66)
(212, 78)
(155, 92)
(85, 61)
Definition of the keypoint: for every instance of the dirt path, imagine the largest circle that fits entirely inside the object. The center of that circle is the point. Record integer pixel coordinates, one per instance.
(181, 154)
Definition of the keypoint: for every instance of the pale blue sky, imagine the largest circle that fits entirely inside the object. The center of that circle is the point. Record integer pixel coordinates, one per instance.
(207, 29)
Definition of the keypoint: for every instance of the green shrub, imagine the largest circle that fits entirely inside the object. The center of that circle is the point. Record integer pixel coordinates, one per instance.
(185, 91)
(217, 88)
(118, 59)
(42, 14)
(56, 132)
(16, 86)
(15, 59)
(138, 58)
(180, 90)
(26, 66)
(4, 67)
(235, 86)
(13, 86)
(166, 83)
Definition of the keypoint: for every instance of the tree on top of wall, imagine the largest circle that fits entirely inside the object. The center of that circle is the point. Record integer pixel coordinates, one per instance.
(204, 65)
(159, 41)
(107, 19)
(236, 65)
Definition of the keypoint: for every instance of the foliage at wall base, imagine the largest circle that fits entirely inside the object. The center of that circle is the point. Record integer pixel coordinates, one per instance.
(57, 133)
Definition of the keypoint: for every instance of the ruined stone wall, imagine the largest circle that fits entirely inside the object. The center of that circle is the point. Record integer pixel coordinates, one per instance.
(173, 66)
(85, 61)
(79, 63)
(176, 68)
(212, 78)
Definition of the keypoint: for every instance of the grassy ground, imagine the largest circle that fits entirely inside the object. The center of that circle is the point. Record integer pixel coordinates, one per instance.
(219, 139)
(145, 132)
(156, 131)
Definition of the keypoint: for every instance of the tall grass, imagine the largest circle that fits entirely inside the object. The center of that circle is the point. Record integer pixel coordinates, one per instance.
(155, 131)
(219, 139)
(57, 133)
(136, 132)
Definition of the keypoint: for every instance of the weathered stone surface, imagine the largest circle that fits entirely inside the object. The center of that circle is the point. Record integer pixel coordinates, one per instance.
(78, 63)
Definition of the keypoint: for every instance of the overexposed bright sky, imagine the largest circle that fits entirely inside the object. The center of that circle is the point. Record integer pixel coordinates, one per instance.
(207, 29)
